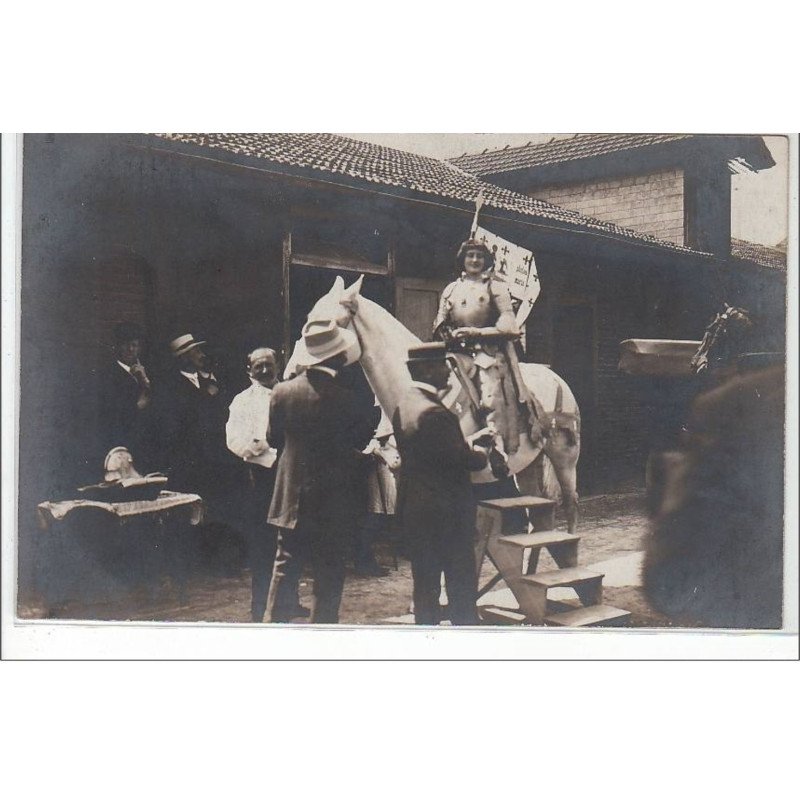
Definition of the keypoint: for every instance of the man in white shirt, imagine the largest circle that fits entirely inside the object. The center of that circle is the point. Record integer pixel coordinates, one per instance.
(246, 436)
(248, 416)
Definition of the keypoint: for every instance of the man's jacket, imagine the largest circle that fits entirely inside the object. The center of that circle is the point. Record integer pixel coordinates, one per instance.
(319, 424)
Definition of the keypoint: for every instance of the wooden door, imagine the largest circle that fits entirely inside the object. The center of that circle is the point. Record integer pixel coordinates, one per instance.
(417, 302)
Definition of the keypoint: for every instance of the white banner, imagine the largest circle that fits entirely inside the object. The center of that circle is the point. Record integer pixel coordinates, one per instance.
(517, 267)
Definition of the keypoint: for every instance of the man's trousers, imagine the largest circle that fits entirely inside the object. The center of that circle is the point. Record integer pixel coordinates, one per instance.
(261, 537)
(453, 554)
(323, 546)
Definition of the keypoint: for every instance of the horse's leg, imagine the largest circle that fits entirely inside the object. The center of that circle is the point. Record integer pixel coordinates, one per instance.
(563, 448)
(531, 479)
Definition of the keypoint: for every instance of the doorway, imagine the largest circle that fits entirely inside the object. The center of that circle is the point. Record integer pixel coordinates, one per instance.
(308, 284)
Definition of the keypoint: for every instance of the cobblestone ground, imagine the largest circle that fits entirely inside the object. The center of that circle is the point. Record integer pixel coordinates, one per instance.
(611, 526)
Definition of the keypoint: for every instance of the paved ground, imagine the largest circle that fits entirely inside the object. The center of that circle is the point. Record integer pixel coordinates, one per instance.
(613, 530)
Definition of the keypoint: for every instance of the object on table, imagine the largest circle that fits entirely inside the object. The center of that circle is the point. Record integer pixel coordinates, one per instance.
(122, 482)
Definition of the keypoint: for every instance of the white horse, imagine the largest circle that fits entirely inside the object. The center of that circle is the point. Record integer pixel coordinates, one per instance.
(384, 343)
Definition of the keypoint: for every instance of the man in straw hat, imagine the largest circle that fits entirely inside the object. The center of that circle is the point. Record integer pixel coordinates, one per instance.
(319, 427)
(435, 504)
(193, 437)
(193, 415)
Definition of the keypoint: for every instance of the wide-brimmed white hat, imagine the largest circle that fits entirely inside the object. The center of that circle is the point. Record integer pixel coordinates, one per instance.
(183, 344)
(324, 339)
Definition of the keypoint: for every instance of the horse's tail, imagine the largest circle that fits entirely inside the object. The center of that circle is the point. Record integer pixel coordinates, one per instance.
(550, 483)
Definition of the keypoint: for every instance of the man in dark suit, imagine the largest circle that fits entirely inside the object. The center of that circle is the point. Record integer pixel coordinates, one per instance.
(125, 413)
(319, 426)
(435, 504)
(193, 414)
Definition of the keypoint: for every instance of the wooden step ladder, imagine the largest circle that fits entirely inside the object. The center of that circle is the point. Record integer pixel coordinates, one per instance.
(498, 526)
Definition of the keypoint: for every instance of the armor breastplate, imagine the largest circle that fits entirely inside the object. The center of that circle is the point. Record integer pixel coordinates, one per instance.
(471, 304)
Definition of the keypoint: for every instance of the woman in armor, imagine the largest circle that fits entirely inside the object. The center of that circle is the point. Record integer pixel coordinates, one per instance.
(476, 320)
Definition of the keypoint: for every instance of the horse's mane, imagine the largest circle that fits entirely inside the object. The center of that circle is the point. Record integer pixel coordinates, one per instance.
(385, 342)
(723, 338)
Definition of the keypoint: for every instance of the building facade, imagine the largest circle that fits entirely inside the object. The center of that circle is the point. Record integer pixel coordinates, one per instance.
(234, 237)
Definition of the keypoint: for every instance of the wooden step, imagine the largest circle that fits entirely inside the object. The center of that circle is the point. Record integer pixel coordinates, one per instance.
(501, 616)
(526, 501)
(541, 539)
(563, 577)
(591, 616)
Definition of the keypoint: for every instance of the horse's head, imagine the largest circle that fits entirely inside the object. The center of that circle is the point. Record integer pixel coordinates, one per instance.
(725, 338)
(340, 305)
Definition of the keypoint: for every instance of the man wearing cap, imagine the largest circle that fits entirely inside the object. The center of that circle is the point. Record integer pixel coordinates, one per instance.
(319, 424)
(125, 414)
(435, 504)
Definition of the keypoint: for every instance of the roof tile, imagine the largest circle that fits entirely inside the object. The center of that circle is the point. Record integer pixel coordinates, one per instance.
(771, 257)
(557, 151)
(373, 163)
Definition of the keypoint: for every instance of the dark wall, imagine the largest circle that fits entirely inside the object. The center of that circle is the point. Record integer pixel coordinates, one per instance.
(762, 292)
(586, 308)
(707, 206)
(112, 231)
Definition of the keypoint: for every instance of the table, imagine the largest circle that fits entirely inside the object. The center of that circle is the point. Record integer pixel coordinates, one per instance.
(91, 551)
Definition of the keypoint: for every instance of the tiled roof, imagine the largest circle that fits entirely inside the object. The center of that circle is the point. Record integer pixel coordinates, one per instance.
(375, 164)
(771, 257)
(589, 145)
(744, 152)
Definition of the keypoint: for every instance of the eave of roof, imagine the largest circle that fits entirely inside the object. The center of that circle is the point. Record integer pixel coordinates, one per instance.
(748, 152)
(771, 257)
(353, 162)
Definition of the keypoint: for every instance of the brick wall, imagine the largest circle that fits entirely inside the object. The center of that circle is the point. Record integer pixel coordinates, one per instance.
(650, 204)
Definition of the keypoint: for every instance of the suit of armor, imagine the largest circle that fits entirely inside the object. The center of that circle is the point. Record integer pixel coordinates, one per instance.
(475, 314)
(482, 303)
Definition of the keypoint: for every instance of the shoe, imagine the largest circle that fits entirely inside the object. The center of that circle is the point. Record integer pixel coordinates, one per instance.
(300, 611)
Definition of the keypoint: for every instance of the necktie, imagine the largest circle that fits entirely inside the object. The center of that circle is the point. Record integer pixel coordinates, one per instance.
(207, 383)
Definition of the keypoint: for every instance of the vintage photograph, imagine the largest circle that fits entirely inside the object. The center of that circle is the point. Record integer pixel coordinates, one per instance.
(511, 380)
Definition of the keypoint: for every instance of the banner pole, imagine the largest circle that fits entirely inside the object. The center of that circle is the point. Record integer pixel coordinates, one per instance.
(478, 206)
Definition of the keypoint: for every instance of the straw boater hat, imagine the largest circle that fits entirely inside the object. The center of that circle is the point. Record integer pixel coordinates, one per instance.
(183, 344)
(324, 339)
